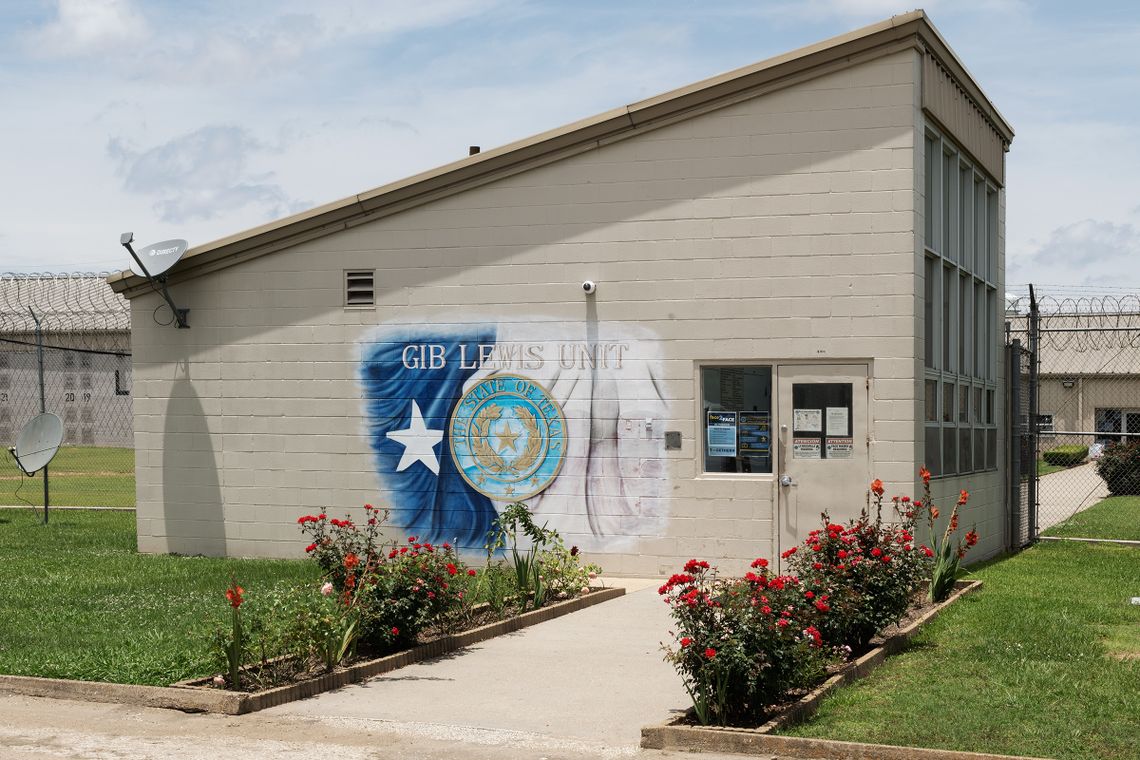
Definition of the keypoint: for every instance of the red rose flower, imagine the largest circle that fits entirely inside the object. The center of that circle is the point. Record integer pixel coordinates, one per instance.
(452, 569)
(234, 595)
(685, 641)
(710, 653)
(877, 487)
(471, 571)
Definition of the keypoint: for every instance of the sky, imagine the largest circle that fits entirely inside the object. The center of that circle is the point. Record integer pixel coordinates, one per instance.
(198, 119)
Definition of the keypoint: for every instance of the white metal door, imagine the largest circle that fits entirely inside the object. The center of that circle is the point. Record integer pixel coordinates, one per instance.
(823, 419)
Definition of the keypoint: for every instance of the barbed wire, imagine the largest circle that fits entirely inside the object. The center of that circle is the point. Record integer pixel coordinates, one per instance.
(1081, 324)
(65, 304)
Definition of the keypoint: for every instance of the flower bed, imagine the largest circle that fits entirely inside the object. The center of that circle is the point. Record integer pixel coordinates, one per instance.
(686, 733)
(746, 646)
(381, 599)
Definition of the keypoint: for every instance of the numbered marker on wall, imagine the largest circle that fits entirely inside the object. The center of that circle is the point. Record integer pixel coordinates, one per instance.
(38, 442)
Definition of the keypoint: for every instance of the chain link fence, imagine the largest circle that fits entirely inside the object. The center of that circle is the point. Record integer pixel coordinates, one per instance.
(85, 334)
(1085, 402)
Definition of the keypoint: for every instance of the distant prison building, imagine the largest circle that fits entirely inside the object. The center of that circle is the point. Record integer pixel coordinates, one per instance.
(85, 329)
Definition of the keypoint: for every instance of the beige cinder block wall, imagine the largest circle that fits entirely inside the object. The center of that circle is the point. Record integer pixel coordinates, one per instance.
(780, 228)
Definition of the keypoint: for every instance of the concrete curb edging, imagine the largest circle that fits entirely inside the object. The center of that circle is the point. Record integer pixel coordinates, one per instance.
(748, 742)
(669, 735)
(195, 696)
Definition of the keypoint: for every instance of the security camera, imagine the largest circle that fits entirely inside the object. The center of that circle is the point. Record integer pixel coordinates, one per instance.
(589, 287)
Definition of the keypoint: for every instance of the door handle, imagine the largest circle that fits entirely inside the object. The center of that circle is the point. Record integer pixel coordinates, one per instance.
(786, 480)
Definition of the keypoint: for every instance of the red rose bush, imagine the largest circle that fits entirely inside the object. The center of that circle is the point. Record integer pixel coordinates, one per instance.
(744, 644)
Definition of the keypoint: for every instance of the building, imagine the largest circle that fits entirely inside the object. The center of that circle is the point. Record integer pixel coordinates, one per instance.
(683, 327)
(1089, 371)
(86, 333)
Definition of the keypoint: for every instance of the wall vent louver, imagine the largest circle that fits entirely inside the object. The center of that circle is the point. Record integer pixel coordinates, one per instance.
(359, 288)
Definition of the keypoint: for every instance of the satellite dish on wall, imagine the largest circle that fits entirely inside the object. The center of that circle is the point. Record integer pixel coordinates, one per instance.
(38, 442)
(158, 257)
(152, 263)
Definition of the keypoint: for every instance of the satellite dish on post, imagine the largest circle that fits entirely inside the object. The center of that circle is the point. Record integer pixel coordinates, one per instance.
(152, 263)
(38, 442)
(158, 257)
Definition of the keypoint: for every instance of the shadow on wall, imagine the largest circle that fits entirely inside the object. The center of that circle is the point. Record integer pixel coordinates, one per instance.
(191, 493)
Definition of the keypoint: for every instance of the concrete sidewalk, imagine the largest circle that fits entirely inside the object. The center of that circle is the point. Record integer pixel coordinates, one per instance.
(585, 682)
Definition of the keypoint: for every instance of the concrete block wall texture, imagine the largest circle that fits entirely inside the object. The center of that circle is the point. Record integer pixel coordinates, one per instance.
(775, 230)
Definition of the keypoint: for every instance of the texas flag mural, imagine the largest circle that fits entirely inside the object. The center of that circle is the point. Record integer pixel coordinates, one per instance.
(568, 418)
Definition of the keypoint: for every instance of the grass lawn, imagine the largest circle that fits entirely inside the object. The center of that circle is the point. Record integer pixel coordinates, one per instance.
(1044, 468)
(83, 476)
(78, 601)
(1114, 517)
(1036, 663)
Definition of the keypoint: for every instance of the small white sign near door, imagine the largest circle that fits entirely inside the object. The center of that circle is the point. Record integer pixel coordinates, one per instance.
(837, 417)
(840, 448)
(806, 448)
(807, 421)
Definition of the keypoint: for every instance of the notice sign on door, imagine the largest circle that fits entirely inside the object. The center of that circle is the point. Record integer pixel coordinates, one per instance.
(837, 417)
(721, 435)
(807, 420)
(806, 448)
(840, 448)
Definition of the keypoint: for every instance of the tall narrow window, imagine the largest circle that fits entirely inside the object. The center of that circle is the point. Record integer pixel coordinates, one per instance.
(931, 290)
(960, 311)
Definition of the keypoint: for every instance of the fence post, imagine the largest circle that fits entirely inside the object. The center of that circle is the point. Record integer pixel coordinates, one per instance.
(1034, 410)
(1013, 431)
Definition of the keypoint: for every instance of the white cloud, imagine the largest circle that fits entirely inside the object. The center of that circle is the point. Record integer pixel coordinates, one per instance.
(84, 27)
(1090, 252)
(201, 175)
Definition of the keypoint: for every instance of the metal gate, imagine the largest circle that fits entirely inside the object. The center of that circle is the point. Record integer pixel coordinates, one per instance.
(1075, 416)
(1022, 460)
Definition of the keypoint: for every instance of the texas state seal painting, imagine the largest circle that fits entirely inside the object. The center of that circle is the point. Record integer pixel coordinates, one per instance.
(508, 437)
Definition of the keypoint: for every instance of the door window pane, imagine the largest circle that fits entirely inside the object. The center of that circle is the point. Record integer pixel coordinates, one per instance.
(979, 450)
(822, 420)
(947, 402)
(991, 449)
(963, 403)
(738, 439)
(964, 450)
(931, 401)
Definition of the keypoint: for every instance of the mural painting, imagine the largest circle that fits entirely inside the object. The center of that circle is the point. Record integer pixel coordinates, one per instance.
(465, 420)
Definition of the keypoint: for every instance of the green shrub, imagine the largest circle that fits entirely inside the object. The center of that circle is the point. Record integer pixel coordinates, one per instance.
(1120, 468)
(1066, 456)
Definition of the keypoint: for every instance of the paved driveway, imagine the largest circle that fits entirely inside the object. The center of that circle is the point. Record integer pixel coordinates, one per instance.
(1064, 493)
